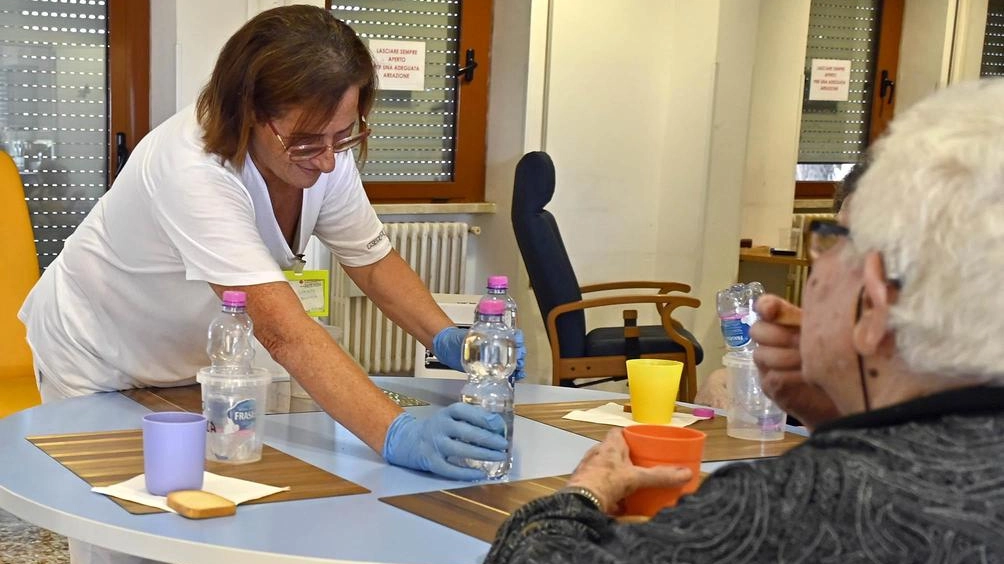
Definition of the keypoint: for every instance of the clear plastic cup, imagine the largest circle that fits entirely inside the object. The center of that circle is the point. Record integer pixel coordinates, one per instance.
(235, 407)
(751, 414)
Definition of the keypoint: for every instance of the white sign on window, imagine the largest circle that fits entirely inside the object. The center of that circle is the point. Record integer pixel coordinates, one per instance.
(830, 80)
(400, 65)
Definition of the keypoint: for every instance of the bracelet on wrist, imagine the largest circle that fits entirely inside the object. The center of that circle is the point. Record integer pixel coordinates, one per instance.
(583, 493)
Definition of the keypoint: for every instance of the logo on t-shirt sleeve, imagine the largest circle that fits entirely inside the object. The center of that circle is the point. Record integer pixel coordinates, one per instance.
(376, 241)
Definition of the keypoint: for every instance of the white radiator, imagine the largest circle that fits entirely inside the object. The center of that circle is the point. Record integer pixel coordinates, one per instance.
(437, 251)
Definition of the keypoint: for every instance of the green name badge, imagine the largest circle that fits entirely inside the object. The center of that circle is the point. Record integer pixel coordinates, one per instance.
(311, 286)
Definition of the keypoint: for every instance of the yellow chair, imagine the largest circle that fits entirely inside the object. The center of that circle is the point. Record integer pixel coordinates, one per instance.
(18, 273)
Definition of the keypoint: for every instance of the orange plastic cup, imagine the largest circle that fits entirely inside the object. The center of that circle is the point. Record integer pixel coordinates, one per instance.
(657, 445)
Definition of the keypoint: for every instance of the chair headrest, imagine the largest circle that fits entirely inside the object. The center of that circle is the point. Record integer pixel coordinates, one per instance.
(534, 183)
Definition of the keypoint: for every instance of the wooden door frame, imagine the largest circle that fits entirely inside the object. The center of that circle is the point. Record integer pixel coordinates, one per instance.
(128, 68)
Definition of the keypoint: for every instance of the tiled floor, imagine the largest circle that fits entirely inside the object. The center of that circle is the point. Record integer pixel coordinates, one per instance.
(22, 543)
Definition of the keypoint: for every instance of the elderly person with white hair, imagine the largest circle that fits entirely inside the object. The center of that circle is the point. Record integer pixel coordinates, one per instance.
(902, 379)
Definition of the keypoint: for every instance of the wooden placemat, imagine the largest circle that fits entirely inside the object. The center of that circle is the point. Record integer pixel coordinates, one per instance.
(189, 398)
(477, 511)
(717, 446)
(106, 458)
(480, 510)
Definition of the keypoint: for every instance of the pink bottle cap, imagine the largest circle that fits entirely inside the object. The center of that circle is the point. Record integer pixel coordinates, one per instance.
(498, 281)
(704, 412)
(492, 307)
(235, 298)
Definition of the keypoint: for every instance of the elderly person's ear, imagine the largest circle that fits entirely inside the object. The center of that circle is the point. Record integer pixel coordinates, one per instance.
(877, 295)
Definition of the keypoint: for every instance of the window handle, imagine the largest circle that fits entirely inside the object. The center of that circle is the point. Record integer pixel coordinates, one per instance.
(121, 152)
(887, 86)
(469, 65)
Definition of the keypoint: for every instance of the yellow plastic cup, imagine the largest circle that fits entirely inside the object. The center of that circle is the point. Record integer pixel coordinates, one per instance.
(653, 384)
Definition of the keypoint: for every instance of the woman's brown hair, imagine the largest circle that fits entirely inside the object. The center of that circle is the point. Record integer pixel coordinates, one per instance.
(292, 56)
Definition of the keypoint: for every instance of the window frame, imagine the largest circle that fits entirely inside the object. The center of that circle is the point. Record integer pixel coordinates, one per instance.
(128, 75)
(881, 111)
(470, 139)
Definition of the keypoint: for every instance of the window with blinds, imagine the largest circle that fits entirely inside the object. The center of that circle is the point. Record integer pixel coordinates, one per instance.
(992, 64)
(834, 134)
(413, 130)
(54, 110)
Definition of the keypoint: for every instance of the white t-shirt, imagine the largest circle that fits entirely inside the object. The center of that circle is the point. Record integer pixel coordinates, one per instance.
(127, 303)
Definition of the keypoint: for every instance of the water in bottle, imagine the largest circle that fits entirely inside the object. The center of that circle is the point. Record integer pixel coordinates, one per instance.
(489, 358)
(498, 289)
(736, 312)
(233, 393)
(752, 415)
(231, 345)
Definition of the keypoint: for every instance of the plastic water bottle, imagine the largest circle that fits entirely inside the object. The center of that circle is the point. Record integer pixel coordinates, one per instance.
(489, 358)
(735, 310)
(498, 290)
(233, 393)
(231, 344)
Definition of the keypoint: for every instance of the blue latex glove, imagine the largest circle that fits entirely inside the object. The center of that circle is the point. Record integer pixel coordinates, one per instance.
(448, 344)
(520, 373)
(458, 430)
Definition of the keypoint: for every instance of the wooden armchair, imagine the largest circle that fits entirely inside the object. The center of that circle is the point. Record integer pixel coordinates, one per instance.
(600, 352)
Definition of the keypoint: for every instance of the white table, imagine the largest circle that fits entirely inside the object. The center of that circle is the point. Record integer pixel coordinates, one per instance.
(353, 528)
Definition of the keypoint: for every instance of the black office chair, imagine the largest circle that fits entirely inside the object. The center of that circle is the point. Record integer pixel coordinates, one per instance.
(601, 352)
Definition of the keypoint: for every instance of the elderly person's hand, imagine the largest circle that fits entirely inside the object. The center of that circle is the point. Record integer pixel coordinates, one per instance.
(777, 334)
(606, 470)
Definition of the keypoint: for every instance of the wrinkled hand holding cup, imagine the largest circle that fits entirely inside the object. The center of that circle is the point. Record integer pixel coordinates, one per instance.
(174, 449)
(653, 384)
(657, 445)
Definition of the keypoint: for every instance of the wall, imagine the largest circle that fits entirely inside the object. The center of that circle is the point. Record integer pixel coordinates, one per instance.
(967, 48)
(186, 36)
(775, 116)
(607, 131)
(730, 132)
(509, 137)
(925, 50)
(163, 60)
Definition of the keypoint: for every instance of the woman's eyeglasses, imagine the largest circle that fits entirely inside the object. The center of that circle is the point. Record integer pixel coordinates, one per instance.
(307, 151)
(823, 236)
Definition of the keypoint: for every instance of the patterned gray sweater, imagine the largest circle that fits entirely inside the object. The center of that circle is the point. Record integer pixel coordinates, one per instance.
(922, 481)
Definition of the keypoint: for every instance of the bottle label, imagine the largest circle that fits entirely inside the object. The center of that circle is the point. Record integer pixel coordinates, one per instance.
(243, 414)
(735, 331)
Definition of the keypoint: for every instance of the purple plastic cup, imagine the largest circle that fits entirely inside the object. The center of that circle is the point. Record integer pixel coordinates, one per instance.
(174, 451)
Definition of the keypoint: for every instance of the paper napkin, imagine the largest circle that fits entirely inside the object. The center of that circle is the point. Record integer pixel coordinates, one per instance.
(614, 414)
(237, 491)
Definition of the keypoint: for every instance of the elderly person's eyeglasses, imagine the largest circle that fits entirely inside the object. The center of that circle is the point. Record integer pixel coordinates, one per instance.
(307, 151)
(823, 236)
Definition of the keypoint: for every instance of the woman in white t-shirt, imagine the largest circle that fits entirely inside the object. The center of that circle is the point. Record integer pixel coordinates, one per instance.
(223, 196)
